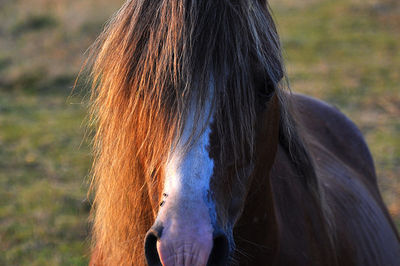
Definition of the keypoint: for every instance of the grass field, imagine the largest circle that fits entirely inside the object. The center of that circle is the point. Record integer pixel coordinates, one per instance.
(344, 51)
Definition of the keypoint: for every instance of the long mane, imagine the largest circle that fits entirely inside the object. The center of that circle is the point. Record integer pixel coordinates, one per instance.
(153, 59)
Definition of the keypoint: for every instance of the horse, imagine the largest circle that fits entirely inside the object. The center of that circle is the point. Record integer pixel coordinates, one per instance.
(204, 156)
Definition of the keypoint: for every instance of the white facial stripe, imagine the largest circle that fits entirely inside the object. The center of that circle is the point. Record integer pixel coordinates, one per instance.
(192, 170)
(188, 172)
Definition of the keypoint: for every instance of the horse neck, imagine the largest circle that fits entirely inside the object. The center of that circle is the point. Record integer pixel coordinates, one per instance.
(299, 200)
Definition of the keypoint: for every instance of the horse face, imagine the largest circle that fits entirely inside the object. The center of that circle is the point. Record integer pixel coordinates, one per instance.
(204, 193)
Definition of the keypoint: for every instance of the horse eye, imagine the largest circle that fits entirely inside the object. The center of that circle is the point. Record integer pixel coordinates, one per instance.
(267, 93)
(264, 95)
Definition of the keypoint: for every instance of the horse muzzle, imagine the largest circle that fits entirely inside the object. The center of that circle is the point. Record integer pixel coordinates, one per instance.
(185, 250)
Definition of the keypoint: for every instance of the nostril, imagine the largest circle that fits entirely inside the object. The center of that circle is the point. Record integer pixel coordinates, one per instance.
(220, 252)
(150, 246)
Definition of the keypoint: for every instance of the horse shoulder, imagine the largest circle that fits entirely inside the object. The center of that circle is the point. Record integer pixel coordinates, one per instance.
(344, 166)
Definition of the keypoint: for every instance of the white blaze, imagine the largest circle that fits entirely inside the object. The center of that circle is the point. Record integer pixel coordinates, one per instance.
(188, 171)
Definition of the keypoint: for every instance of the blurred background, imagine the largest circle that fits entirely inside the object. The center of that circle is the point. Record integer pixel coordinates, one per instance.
(346, 52)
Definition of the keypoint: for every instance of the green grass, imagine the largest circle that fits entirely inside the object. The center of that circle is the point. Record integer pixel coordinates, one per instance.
(342, 51)
(44, 159)
(43, 211)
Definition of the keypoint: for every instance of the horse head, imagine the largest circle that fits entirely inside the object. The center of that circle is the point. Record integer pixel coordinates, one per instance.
(187, 114)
